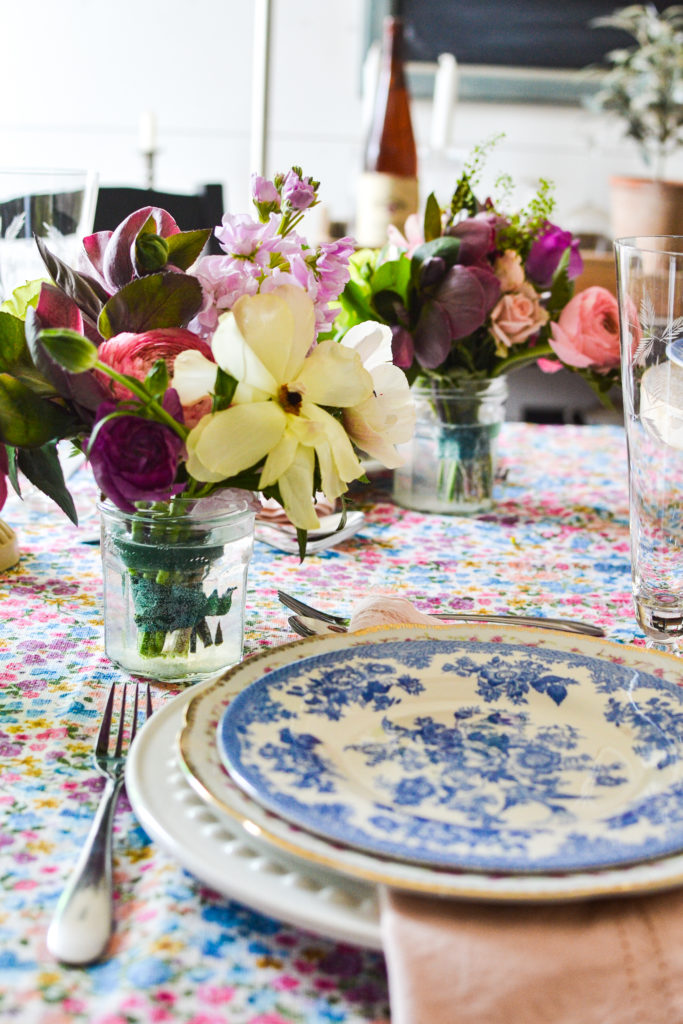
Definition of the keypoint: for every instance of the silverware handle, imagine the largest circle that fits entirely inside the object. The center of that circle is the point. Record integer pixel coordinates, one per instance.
(569, 625)
(83, 922)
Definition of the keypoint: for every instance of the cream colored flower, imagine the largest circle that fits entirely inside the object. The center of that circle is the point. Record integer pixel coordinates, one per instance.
(387, 417)
(509, 271)
(276, 414)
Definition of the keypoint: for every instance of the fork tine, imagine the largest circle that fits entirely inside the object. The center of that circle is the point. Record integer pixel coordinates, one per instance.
(122, 720)
(148, 708)
(134, 726)
(296, 605)
(105, 725)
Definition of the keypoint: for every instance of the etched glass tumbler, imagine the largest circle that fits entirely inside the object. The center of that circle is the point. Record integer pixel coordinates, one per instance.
(56, 206)
(650, 286)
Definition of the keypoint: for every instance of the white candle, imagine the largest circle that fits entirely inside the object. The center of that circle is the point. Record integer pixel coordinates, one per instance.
(148, 132)
(444, 100)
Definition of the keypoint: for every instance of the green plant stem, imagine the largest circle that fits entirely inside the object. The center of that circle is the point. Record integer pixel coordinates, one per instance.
(140, 392)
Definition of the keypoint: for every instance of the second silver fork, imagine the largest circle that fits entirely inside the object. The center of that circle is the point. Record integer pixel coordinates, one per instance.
(84, 918)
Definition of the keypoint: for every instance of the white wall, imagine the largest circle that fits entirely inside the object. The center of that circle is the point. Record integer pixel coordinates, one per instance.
(77, 74)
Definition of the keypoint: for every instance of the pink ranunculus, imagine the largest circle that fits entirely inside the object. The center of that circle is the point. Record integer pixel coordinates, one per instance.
(587, 333)
(517, 316)
(135, 355)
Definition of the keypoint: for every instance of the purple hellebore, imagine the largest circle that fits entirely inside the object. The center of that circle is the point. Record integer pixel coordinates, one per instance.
(136, 459)
(548, 250)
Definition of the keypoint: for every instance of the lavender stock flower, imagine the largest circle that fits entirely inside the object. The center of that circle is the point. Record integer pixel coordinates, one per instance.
(299, 192)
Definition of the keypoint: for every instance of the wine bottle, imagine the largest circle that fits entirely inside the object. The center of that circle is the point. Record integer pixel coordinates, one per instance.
(387, 189)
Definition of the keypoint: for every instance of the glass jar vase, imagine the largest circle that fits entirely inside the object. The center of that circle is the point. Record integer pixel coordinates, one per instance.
(450, 463)
(175, 577)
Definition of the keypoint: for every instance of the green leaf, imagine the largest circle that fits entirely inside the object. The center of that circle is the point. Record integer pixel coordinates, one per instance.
(69, 348)
(15, 357)
(356, 302)
(390, 307)
(185, 247)
(42, 467)
(156, 380)
(432, 221)
(158, 300)
(13, 347)
(224, 389)
(27, 420)
(446, 248)
(22, 297)
(392, 276)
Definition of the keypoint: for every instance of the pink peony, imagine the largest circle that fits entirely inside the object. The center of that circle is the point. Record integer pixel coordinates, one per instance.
(587, 333)
(517, 316)
(135, 355)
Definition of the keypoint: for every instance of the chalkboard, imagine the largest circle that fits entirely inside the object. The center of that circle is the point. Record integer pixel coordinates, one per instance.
(549, 40)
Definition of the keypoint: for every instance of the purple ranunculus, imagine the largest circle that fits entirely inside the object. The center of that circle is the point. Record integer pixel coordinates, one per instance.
(548, 250)
(135, 459)
(299, 192)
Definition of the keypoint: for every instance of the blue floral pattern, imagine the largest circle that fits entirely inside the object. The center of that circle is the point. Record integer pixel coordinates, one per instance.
(486, 756)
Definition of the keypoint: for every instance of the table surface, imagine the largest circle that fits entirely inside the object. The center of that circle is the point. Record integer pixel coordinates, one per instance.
(555, 544)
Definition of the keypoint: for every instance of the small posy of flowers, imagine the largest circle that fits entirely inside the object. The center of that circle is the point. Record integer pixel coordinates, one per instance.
(179, 374)
(474, 291)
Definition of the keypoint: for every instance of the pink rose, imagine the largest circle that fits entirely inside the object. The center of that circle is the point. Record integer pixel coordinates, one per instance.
(135, 355)
(587, 333)
(509, 271)
(516, 316)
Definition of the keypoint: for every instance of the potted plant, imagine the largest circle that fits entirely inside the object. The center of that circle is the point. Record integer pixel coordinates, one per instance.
(644, 87)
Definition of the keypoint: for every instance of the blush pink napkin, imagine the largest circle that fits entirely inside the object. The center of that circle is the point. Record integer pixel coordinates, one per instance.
(603, 961)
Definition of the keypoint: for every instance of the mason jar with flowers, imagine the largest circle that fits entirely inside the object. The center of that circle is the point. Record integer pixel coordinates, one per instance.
(471, 293)
(194, 384)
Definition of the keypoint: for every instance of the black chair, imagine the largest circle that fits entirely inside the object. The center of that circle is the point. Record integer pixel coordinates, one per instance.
(203, 210)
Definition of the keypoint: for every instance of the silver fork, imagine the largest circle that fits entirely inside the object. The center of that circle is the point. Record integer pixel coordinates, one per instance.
(307, 611)
(84, 918)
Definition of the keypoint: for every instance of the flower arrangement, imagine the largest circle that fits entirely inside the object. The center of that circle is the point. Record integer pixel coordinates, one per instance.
(178, 373)
(181, 375)
(476, 291)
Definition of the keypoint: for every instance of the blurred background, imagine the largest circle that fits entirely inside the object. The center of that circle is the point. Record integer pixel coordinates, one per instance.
(216, 89)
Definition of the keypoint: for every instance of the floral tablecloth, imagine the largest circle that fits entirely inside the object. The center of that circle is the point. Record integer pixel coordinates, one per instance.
(556, 544)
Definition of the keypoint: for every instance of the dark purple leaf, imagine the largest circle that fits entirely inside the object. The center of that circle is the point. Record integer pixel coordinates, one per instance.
(83, 389)
(476, 240)
(86, 292)
(462, 300)
(158, 300)
(432, 337)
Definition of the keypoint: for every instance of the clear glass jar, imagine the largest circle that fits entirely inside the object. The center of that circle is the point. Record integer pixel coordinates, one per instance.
(450, 463)
(175, 578)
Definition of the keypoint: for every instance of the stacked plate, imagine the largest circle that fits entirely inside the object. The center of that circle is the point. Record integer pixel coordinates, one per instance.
(473, 761)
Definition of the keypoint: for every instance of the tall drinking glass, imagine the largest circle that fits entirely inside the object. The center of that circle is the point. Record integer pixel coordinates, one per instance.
(57, 206)
(650, 286)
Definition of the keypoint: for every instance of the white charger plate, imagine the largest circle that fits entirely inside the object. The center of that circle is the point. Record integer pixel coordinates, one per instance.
(206, 788)
(223, 854)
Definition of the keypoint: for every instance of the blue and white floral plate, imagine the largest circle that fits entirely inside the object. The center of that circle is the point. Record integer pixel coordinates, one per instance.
(468, 753)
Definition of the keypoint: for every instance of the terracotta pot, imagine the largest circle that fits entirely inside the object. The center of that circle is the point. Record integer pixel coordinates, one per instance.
(641, 206)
